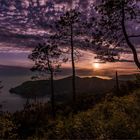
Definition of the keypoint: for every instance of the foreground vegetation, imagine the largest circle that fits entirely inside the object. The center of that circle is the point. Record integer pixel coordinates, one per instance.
(112, 116)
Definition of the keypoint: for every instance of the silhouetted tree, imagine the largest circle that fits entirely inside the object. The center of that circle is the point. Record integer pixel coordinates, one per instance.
(0, 92)
(67, 30)
(114, 17)
(117, 82)
(0, 86)
(46, 59)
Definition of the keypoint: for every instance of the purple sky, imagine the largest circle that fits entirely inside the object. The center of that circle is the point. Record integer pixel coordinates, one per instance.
(19, 33)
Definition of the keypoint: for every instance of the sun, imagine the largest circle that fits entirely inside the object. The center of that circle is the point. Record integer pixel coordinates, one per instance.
(96, 65)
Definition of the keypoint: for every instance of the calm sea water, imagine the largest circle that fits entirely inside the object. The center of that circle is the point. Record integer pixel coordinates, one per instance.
(12, 77)
(11, 102)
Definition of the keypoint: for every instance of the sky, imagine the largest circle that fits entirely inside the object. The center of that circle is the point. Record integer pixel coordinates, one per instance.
(19, 33)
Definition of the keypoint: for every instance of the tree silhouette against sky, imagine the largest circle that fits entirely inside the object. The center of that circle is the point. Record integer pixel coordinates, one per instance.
(113, 24)
(46, 59)
(69, 27)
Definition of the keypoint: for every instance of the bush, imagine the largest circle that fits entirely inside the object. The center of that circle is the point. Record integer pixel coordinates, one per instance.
(7, 127)
(116, 118)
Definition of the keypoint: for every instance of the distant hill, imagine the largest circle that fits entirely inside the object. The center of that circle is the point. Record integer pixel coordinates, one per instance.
(127, 77)
(14, 71)
(63, 87)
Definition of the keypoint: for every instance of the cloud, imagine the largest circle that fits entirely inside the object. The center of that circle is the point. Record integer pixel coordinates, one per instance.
(23, 22)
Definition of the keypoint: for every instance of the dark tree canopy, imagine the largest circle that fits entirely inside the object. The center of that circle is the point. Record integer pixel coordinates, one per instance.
(65, 27)
(114, 27)
(0, 86)
(70, 29)
(46, 57)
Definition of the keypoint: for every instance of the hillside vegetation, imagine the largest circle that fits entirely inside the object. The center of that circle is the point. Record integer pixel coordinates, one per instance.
(113, 116)
(63, 87)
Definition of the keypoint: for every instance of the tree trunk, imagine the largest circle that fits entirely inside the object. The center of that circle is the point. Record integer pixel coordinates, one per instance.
(73, 67)
(117, 82)
(131, 46)
(52, 95)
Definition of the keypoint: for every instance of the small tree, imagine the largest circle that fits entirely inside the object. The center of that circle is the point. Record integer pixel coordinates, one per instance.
(117, 82)
(0, 86)
(0, 92)
(47, 59)
(114, 19)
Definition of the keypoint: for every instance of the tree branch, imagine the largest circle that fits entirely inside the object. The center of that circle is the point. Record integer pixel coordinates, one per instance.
(133, 36)
(132, 47)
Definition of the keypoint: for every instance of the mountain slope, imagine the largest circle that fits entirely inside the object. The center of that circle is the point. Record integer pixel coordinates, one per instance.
(63, 87)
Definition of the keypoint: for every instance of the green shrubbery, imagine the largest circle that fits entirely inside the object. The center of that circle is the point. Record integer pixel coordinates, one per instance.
(8, 129)
(115, 119)
(110, 117)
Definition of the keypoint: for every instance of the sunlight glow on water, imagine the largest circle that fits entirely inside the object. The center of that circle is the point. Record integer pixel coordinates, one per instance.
(104, 77)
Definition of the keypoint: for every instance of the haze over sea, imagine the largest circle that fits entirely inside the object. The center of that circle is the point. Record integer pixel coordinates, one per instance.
(12, 76)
